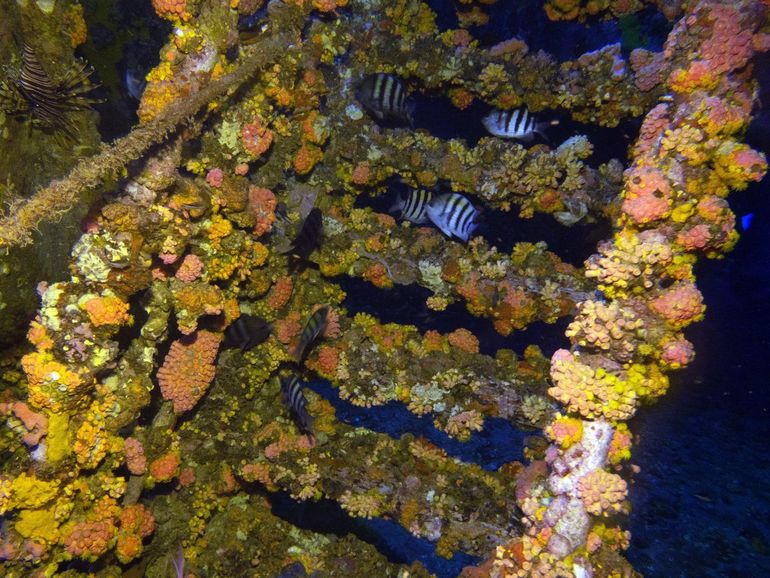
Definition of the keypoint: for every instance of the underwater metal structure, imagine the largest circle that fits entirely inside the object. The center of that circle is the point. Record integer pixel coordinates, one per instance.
(132, 433)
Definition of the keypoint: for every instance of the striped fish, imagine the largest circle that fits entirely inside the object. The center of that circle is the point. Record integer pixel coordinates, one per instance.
(32, 92)
(294, 399)
(246, 332)
(384, 95)
(413, 207)
(515, 123)
(307, 240)
(313, 328)
(454, 215)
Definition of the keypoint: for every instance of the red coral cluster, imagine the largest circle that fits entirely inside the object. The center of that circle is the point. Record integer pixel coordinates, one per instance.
(215, 177)
(463, 339)
(679, 305)
(188, 369)
(262, 204)
(171, 9)
(730, 45)
(647, 196)
(328, 358)
(89, 540)
(677, 353)
(35, 424)
(602, 493)
(190, 268)
(136, 523)
(332, 329)
(256, 137)
(286, 329)
(361, 174)
(648, 68)
(166, 467)
(280, 293)
(136, 461)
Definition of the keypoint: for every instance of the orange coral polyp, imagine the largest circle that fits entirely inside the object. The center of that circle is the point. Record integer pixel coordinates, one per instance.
(328, 357)
(679, 305)
(52, 384)
(89, 539)
(256, 137)
(602, 493)
(108, 310)
(166, 467)
(188, 369)
(647, 195)
(464, 340)
(262, 204)
(171, 9)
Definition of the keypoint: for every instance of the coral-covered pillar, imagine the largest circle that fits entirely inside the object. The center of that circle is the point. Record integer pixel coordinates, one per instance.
(686, 160)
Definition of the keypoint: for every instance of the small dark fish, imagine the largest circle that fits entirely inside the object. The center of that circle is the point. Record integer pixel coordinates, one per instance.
(313, 328)
(135, 82)
(282, 212)
(414, 207)
(251, 27)
(297, 570)
(246, 332)
(516, 123)
(294, 399)
(384, 95)
(307, 240)
(454, 215)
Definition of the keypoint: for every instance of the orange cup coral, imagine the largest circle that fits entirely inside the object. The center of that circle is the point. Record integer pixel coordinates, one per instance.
(188, 369)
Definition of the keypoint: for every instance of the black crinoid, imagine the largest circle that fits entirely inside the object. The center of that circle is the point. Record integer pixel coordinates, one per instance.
(29, 92)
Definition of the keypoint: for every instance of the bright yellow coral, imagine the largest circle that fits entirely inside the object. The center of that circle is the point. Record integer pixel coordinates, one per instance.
(52, 384)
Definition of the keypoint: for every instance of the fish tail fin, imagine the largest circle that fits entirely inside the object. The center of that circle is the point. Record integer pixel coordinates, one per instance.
(297, 353)
(411, 107)
(540, 129)
(397, 205)
(305, 422)
(297, 264)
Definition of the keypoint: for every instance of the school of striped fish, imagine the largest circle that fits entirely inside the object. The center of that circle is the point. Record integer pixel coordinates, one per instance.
(386, 98)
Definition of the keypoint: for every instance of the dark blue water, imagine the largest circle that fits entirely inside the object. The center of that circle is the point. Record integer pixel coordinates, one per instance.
(701, 500)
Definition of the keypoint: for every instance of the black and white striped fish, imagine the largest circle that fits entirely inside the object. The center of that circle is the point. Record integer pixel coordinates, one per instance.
(413, 206)
(515, 123)
(294, 399)
(307, 240)
(246, 332)
(313, 328)
(454, 215)
(384, 95)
